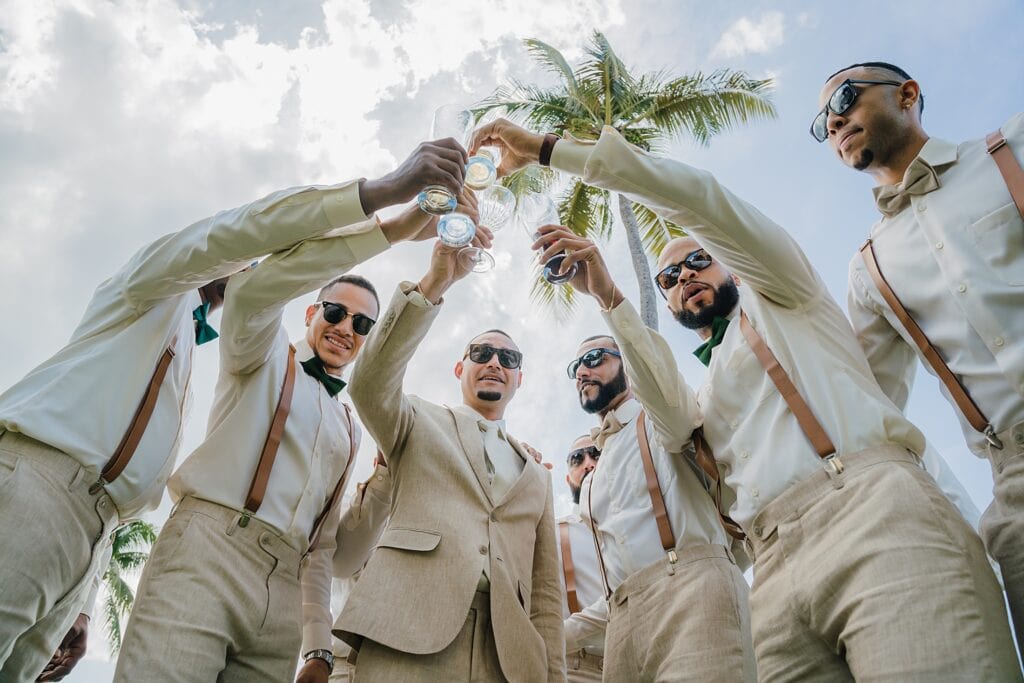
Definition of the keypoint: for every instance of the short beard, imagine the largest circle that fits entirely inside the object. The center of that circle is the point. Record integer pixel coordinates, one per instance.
(866, 158)
(488, 395)
(606, 393)
(575, 492)
(727, 295)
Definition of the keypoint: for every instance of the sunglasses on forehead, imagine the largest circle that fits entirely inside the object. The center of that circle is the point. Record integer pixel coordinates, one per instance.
(510, 359)
(591, 359)
(335, 313)
(668, 278)
(578, 456)
(840, 102)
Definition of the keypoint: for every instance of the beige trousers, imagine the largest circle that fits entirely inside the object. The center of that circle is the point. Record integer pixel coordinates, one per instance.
(872, 575)
(581, 667)
(217, 602)
(684, 622)
(1002, 525)
(52, 533)
(472, 656)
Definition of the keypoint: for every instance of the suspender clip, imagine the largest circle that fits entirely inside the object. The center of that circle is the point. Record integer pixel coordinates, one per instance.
(672, 557)
(98, 486)
(243, 520)
(833, 465)
(993, 440)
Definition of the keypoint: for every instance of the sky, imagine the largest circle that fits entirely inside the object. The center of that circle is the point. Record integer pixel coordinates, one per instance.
(121, 122)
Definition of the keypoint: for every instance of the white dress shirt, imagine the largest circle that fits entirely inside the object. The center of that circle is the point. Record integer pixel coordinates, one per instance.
(756, 439)
(314, 449)
(617, 495)
(955, 258)
(82, 399)
(582, 631)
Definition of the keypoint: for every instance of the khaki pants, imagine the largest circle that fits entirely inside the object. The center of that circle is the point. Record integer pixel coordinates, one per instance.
(582, 667)
(1002, 525)
(217, 602)
(873, 575)
(52, 534)
(682, 622)
(472, 656)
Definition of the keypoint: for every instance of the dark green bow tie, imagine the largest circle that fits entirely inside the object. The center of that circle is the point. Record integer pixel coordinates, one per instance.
(204, 332)
(718, 328)
(314, 367)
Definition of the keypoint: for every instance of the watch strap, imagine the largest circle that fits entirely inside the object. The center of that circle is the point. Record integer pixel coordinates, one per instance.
(546, 148)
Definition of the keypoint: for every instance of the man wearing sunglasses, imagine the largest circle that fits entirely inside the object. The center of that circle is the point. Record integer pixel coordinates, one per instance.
(847, 553)
(464, 581)
(950, 246)
(712, 643)
(583, 585)
(238, 582)
(88, 438)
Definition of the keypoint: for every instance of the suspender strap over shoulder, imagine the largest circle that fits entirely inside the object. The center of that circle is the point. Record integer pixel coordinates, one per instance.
(668, 539)
(137, 427)
(258, 487)
(956, 389)
(1013, 175)
(568, 569)
(314, 536)
(809, 424)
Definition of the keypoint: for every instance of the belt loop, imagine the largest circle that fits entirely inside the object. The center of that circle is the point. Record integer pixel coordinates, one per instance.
(234, 524)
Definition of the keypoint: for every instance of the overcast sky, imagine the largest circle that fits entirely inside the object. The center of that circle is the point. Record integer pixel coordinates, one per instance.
(120, 122)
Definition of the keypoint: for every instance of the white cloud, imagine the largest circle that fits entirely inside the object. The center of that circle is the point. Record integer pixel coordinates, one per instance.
(750, 36)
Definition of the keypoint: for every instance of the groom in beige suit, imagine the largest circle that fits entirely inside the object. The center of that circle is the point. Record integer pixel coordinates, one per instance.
(464, 582)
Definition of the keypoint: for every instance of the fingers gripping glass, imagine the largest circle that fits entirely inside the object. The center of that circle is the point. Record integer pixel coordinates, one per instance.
(839, 103)
(335, 313)
(669, 276)
(510, 359)
(590, 359)
(579, 456)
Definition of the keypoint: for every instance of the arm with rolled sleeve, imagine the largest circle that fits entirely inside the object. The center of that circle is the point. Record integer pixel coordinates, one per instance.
(362, 523)
(654, 377)
(224, 243)
(752, 246)
(545, 606)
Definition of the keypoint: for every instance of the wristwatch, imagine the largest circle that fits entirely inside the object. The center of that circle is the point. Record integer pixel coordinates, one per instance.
(325, 655)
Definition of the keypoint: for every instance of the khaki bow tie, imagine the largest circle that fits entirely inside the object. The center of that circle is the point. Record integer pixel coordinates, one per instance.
(919, 179)
(609, 425)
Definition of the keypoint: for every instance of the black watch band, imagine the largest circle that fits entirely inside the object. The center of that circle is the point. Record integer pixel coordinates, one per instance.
(546, 148)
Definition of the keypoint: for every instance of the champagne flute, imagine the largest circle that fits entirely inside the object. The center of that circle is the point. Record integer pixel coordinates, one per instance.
(450, 121)
(482, 168)
(535, 210)
(497, 204)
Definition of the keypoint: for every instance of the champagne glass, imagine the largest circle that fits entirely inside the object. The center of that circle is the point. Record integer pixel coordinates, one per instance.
(450, 121)
(537, 209)
(497, 204)
(482, 168)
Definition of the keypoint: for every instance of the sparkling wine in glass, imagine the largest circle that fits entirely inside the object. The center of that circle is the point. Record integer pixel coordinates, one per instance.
(456, 229)
(497, 205)
(482, 168)
(450, 121)
(535, 210)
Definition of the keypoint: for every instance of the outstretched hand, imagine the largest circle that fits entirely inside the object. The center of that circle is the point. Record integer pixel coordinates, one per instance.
(446, 268)
(536, 455)
(437, 162)
(70, 652)
(519, 147)
(592, 275)
(416, 225)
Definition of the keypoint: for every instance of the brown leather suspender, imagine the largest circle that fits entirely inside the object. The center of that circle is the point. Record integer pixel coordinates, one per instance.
(137, 427)
(1013, 176)
(668, 539)
(258, 487)
(314, 536)
(705, 460)
(567, 568)
(593, 533)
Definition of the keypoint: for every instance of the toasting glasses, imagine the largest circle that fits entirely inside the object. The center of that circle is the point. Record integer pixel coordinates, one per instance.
(535, 210)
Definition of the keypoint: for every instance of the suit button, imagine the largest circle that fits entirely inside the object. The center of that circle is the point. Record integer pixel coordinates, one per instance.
(494, 517)
(483, 550)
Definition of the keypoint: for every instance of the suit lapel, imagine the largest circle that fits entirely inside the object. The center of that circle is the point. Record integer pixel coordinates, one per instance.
(473, 446)
(526, 476)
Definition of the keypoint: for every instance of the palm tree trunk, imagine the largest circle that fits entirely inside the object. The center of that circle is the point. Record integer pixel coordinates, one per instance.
(648, 303)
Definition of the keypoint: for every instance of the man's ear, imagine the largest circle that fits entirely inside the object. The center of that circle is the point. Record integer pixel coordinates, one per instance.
(910, 92)
(520, 382)
(458, 369)
(310, 312)
(735, 279)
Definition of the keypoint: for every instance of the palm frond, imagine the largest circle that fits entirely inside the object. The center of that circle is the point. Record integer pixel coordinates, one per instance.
(530, 179)
(112, 625)
(655, 231)
(553, 60)
(584, 210)
(606, 68)
(558, 300)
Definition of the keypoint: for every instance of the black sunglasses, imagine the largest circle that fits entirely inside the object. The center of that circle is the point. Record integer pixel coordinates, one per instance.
(669, 276)
(840, 102)
(577, 456)
(335, 313)
(510, 359)
(590, 359)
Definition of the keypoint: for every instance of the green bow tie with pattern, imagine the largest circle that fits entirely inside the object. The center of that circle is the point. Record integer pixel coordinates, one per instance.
(718, 328)
(314, 367)
(204, 332)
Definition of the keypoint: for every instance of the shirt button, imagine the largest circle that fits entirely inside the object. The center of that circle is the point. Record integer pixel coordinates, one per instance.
(1019, 437)
(961, 288)
(939, 245)
(483, 550)
(998, 341)
(757, 530)
(745, 455)
(733, 424)
(494, 517)
(380, 477)
(755, 492)
(922, 206)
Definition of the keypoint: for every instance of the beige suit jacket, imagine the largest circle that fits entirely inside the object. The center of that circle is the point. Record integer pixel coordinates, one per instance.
(415, 592)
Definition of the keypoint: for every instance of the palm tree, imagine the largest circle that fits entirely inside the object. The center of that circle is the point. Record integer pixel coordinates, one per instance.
(130, 550)
(649, 110)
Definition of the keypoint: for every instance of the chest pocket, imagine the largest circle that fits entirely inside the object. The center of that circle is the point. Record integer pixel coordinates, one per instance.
(740, 385)
(999, 237)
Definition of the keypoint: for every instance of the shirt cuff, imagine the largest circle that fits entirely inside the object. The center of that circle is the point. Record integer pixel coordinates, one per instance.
(342, 206)
(625, 320)
(415, 297)
(315, 637)
(366, 245)
(571, 155)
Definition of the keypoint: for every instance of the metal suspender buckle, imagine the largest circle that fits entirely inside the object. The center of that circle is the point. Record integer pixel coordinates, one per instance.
(833, 465)
(993, 440)
(98, 486)
(672, 557)
(243, 520)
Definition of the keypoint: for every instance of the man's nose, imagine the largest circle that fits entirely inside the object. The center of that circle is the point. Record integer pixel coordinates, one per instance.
(589, 465)
(834, 122)
(344, 326)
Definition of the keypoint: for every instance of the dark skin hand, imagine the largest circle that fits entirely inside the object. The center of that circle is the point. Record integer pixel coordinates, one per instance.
(70, 652)
(438, 162)
(313, 671)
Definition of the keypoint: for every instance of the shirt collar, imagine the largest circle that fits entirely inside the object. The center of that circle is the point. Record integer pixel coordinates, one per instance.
(463, 409)
(938, 152)
(628, 410)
